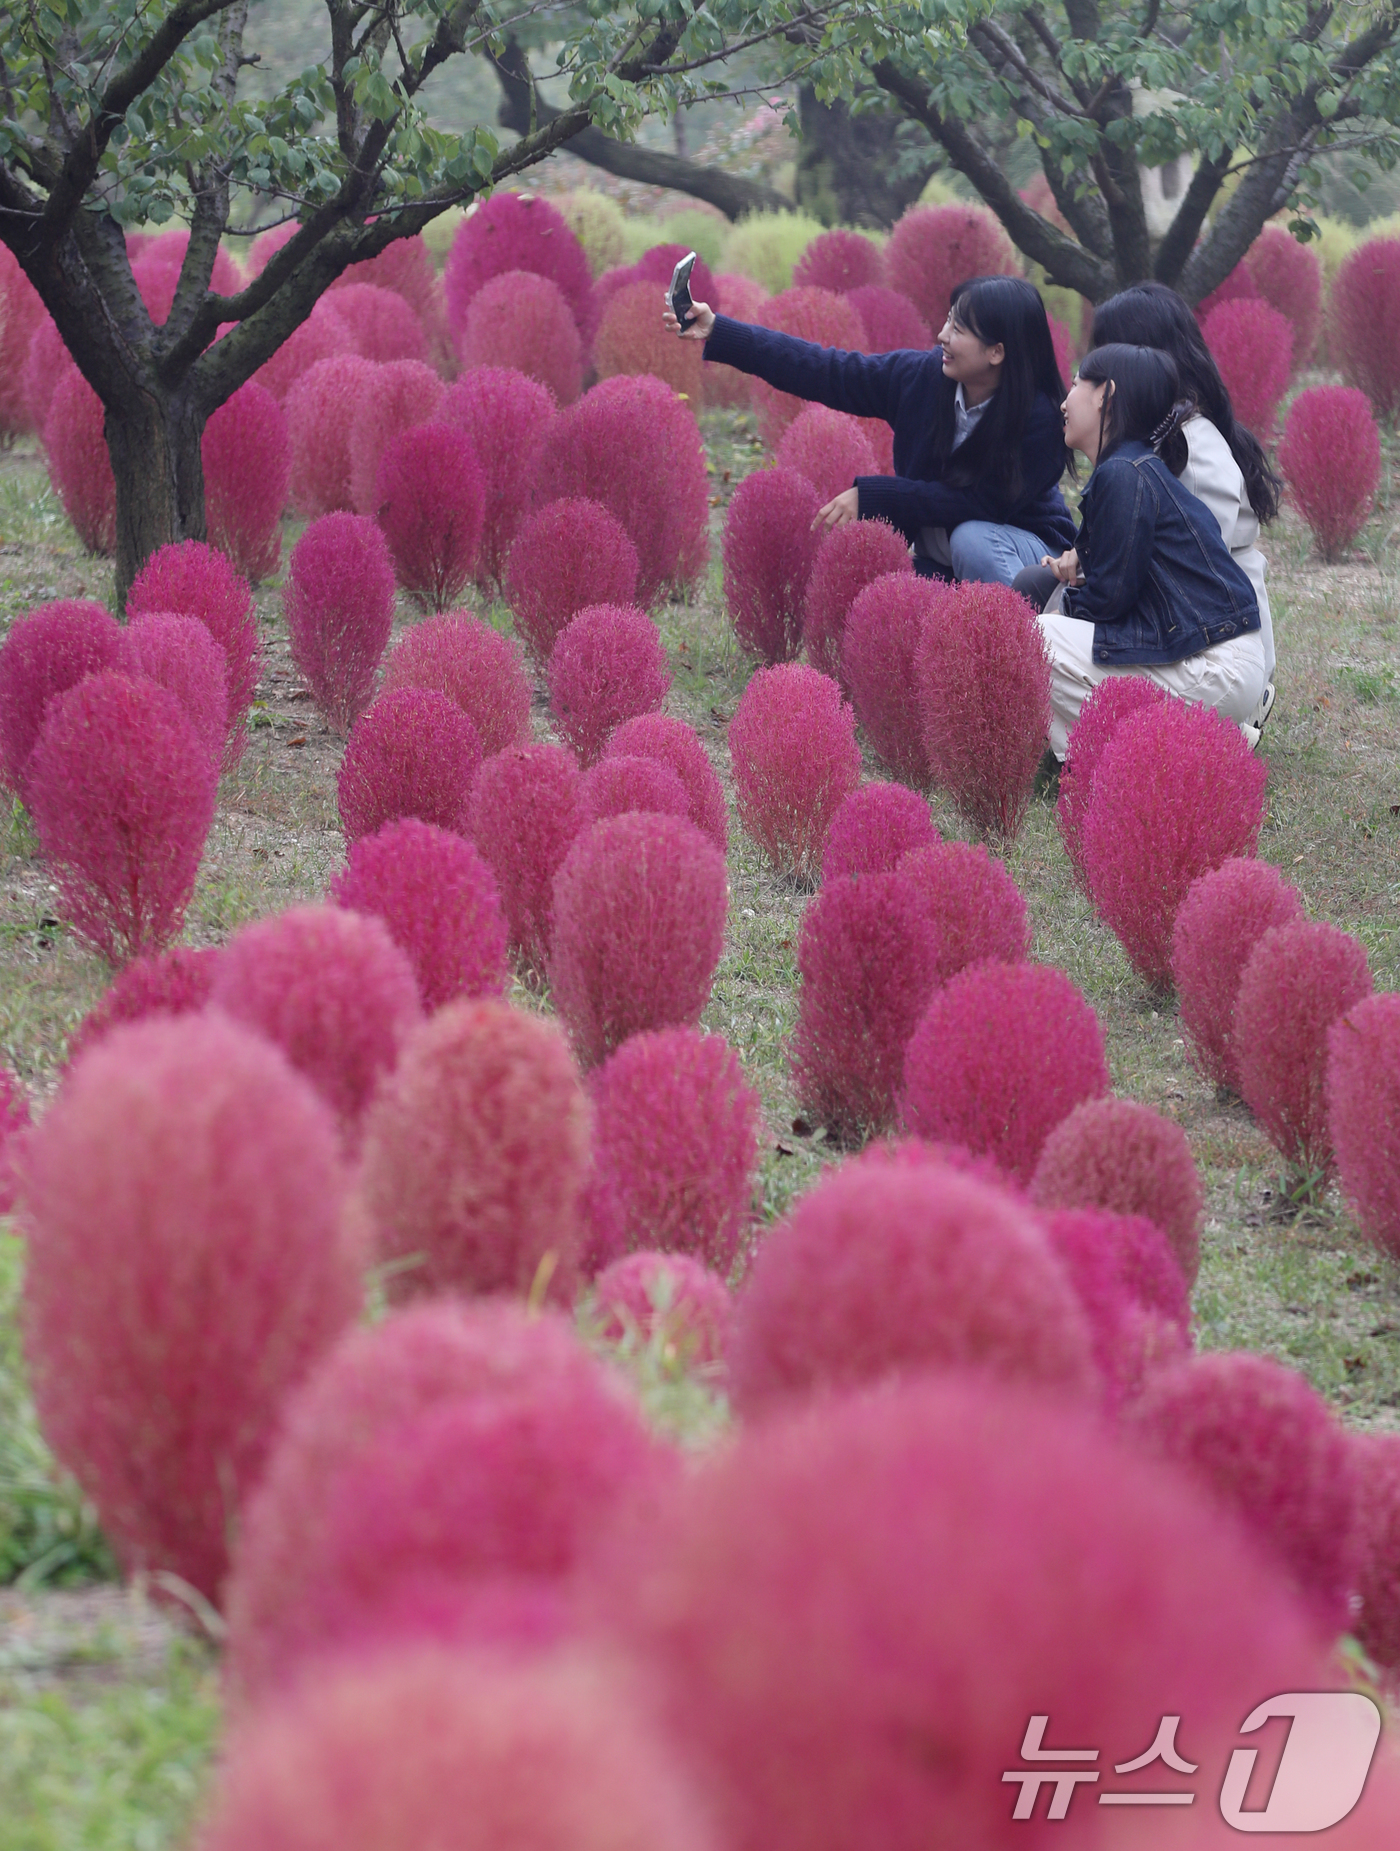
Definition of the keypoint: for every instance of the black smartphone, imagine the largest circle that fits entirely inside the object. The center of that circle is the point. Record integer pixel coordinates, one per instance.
(681, 304)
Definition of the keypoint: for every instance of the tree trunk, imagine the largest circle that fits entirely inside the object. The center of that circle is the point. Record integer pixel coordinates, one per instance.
(155, 447)
(848, 167)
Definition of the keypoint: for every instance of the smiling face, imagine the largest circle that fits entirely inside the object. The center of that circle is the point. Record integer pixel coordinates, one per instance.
(967, 359)
(1083, 413)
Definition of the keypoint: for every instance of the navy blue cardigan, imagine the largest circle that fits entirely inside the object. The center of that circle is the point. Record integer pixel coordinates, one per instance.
(903, 388)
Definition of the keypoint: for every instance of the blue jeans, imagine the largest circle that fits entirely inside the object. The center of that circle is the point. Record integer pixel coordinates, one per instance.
(983, 550)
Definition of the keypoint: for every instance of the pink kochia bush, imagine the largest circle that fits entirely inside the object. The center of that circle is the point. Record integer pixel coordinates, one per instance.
(475, 1155)
(792, 742)
(430, 497)
(522, 321)
(180, 654)
(526, 809)
(339, 609)
(668, 1298)
(882, 1268)
(332, 990)
(1268, 1447)
(618, 784)
(1288, 276)
(848, 559)
(21, 312)
(247, 454)
(879, 667)
(1003, 1054)
(1331, 459)
(49, 649)
(187, 1264)
(458, 655)
(874, 829)
(79, 462)
(976, 908)
(839, 260)
(174, 983)
(818, 315)
(1376, 1459)
(412, 753)
(439, 901)
(1363, 1112)
(633, 339)
(891, 320)
(383, 326)
(984, 692)
(1131, 1290)
(1364, 322)
(1252, 344)
(827, 447)
(867, 961)
(322, 405)
(198, 581)
(14, 1123)
(677, 746)
(675, 1147)
(511, 231)
(506, 417)
(639, 909)
(1107, 707)
(769, 547)
(1121, 1156)
(1298, 980)
(406, 393)
(1176, 792)
(570, 554)
(934, 248)
(1224, 915)
(122, 793)
(607, 666)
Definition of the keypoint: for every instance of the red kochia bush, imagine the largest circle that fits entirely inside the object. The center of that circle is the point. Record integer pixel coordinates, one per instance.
(639, 906)
(122, 795)
(891, 319)
(175, 983)
(828, 448)
(180, 654)
(1331, 459)
(839, 260)
(1363, 1113)
(1122, 1156)
(247, 453)
(1364, 322)
(439, 900)
(1176, 792)
(79, 462)
(406, 393)
(475, 1154)
(792, 742)
(867, 960)
(677, 746)
(1224, 915)
(1298, 980)
(522, 321)
(745, 300)
(1267, 1447)
(1131, 1291)
(666, 1297)
(632, 338)
(187, 1263)
(675, 1147)
(848, 559)
(514, 232)
(1003, 1054)
(618, 784)
(879, 667)
(874, 828)
(984, 692)
(14, 1122)
(769, 546)
(1108, 705)
(21, 312)
(322, 405)
(430, 497)
(332, 990)
(506, 417)
(458, 655)
(1252, 344)
(1376, 1461)
(198, 581)
(383, 326)
(321, 336)
(818, 315)
(977, 909)
(1288, 276)
(934, 248)
(406, 266)
(49, 649)
(570, 554)
(525, 812)
(46, 362)
(339, 609)
(412, 753)
(633, 445)
(880, 1269)
(607, 666)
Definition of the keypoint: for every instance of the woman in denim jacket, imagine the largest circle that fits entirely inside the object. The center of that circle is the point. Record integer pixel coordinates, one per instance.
(1149, 587)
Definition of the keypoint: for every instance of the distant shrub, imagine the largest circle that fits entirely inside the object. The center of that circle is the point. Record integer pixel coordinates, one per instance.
(1330, 456)
(247, 457)
(180, 654)
(639, 909)
(1132, 1292)
(46, 362)
(607, 666)
(14, 1122)
(1063, 343)
(879, 665)
(199, 581)
(506, 417)
(744, 299)
(79, 463)
(187, 1265)
(1297, 981)
(526, 810)
(597, 221)
(890, 319)
(322, 404)
(568, 555)
(173, 983)
(1252, 344)
(934, 248)
(633, 445)
(976, 908)
(839, 260)
(1222, 918)
(322, 336)
(1288, 276)
(1363, 1114)
(677, 746)
(338, 604)
(765, 246)
(616, 785)
(769, 546)
(667, 1298)
(475, 1155)
(1376, 1461)
(406, 266)
(675, 1148)
(792, 744)
(1004, 1052)
(1099, 718)
(521, 321)
(21, 312)
(511, 231)
(984, 692)
(383, 326)
(867, 966)
(827, 447)
(1363, 322)
(411, 753)
(431, 503)
(632, 338)
(1238, 286)
(812, 315)
(122, 795)
(875, 827)
(50, 648)
(407, 393)
(457, 654)
(1176, 792)
(848, 559)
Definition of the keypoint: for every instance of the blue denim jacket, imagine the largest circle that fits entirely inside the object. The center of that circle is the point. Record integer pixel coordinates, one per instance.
(1160, 584)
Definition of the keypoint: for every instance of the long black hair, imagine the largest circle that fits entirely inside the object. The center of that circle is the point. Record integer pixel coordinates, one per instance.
(1152, 315)
(1145, 403)
(1004, 309)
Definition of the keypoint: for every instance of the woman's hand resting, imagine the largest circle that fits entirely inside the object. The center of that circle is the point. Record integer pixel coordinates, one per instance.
(845, 507)
(1065, 568)
(702, 319)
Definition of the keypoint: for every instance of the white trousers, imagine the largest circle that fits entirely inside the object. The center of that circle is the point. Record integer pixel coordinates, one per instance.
(1228, 676)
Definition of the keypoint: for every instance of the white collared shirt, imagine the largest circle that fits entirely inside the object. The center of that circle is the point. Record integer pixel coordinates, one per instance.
(965, 416)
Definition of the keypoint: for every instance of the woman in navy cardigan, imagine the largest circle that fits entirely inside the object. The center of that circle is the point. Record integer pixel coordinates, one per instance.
(979, 443)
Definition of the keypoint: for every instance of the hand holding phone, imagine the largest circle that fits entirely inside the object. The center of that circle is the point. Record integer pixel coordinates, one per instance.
(681, 304)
